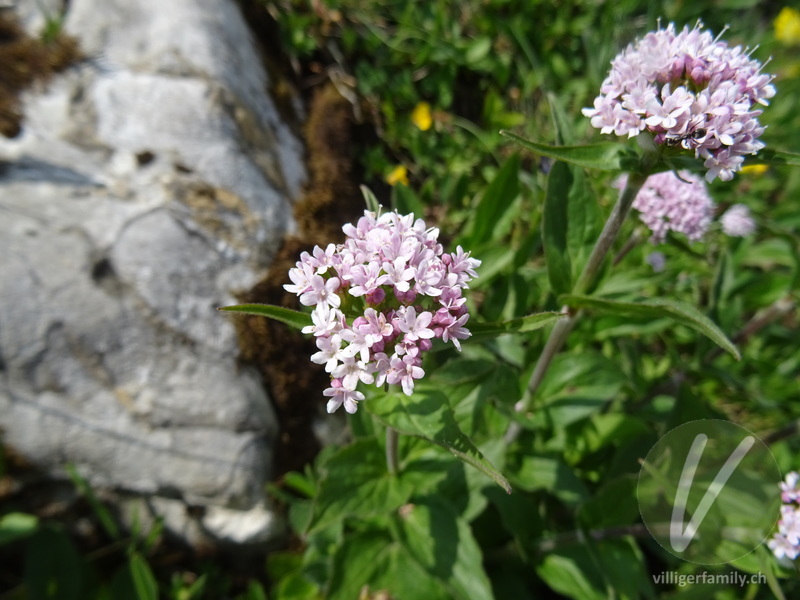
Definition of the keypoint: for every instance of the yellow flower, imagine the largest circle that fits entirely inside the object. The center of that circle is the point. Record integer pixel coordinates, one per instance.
(398, 175)
(756, 170)
(421, 117)
(787, 26)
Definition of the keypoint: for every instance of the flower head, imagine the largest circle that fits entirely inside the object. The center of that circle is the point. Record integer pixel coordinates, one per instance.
(785, 543)
(679, 203)
(421, 117)
(737, 221)
(689, 91)
(379, 300)
(787, 26)
(398, 175)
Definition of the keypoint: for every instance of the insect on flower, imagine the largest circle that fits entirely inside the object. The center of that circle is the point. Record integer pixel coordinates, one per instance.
(686, 139)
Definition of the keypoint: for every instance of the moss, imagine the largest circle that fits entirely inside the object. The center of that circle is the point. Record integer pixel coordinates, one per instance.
(24, 62)
(282, 354)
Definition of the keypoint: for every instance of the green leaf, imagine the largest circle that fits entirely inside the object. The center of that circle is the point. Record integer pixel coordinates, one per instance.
(495, 201)
(570, 225)
(372, 561)
(612, 568)
(554, 228)
(431, 554)
(768, 156)
(355, 482)
(518, 325)
(572, 573)
(605, 156)
(584, 221)
(427, 414)
(552, 474)
(53, 568)
(405, 201)
(681, 312)
(370, 200)
(255, 591)
(102, 513)
(454, 557)
(613, 503)
(292, 318)
(478, 50)
(16, 525)
(295, 587)
(143, 580)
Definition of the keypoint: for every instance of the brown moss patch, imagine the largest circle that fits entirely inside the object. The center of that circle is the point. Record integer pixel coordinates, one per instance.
(331, 199)
(25, 61)
(218, 210)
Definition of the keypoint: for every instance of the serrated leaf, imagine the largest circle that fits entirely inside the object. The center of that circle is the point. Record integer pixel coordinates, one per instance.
(458, 564)
(356, 482)
(292, 318)
(518, 325)
(605, 156)
(372, 561)
(427, 414)
(408, 564)
(681, 312)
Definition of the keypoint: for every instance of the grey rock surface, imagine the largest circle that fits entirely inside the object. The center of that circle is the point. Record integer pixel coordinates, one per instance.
(150, 184)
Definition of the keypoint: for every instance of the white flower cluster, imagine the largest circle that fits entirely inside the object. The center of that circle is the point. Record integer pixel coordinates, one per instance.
(786, 542)
(689, 90)
(379, 299)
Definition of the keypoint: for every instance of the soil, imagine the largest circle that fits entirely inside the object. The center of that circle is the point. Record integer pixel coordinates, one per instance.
(331, 199)
(26, 61)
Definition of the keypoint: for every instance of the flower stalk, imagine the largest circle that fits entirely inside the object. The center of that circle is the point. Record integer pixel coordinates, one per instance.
(392, 439)
(586, 280)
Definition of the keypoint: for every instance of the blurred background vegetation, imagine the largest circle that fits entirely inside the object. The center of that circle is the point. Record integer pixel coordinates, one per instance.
(430, 84)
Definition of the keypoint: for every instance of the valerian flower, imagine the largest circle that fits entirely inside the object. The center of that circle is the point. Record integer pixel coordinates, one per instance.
(680, 203)
(379, 300)
(688, 90)
(737, 221)
(785, 543)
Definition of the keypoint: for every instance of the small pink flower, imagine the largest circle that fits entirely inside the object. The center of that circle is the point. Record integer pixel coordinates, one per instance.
(405, 371)
(379, 299)
(737, 221)
(689, 90)
(341, 396)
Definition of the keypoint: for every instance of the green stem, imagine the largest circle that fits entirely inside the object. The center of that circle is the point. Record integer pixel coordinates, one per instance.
(586, 280)
(392, 438)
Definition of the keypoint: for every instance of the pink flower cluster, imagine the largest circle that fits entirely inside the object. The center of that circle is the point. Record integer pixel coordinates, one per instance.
(786, 542)
(689, 90)
(379, 300)
(737, 221)
(670, 202)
